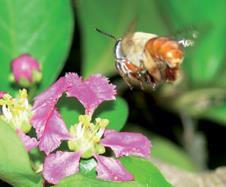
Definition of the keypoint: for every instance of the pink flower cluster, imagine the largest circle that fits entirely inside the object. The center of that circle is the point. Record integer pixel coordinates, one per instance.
(51, 131)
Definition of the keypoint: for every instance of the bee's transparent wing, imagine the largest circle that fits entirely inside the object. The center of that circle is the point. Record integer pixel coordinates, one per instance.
(186, 36)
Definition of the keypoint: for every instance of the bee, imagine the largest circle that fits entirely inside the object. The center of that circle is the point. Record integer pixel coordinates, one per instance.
(147, 58)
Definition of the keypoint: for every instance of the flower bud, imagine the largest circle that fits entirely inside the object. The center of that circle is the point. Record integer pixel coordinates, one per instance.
(25, 70)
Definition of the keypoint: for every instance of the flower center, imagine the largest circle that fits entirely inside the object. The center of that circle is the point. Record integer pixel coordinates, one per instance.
(16, 111)
(87, 136)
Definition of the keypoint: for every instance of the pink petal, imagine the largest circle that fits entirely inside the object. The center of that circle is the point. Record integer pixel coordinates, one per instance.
(60, 165)
(49, 126)
(29, 143)
(50, 129)
(111, 169)
(102, 87)
(92, 92)
(72, 80)
(127, 143)
(51, 95)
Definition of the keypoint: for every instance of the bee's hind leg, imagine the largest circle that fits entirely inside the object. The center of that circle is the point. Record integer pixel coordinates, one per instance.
(127, 80)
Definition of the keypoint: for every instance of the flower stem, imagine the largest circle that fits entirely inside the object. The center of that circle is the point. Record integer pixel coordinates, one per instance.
(194, 141)
(32, 92)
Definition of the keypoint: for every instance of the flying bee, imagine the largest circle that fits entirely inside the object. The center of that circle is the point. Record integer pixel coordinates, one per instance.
(148, 58)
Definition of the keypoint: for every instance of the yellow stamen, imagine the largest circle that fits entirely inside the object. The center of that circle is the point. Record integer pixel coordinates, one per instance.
(16, 111)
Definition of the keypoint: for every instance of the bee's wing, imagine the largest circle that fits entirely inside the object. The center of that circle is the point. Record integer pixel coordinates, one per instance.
(186, 36)
(131, 28)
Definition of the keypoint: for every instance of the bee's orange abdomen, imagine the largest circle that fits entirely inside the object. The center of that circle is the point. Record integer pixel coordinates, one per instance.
(165, 49)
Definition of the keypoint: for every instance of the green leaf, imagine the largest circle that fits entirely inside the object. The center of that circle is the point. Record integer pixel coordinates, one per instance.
(179, 12)
(40, 28)
(83, 181)
(116, 17)
(70, 109)
(115, 111)
(15, 166)
(88, 167)
(166, 151)
(144, 172)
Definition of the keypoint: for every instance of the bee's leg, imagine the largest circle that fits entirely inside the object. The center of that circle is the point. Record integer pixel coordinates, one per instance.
(126, 79)
(124, 74)
(141, 79)
(145, 77)
(150, 80)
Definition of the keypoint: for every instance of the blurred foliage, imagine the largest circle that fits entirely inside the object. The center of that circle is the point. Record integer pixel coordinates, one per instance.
(174, 156)
(203, 63)
(203, 68)
(203, 88)
(115, 17)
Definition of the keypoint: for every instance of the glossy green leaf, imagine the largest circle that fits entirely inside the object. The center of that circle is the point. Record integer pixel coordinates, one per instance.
(144, 172)
(116, 17)
(42, 28)
(205, 60)
(168, 152)
(115, 111)
(83, 181)
(15, 166)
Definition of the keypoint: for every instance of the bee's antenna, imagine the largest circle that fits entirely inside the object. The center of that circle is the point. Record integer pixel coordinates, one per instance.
(106, 34)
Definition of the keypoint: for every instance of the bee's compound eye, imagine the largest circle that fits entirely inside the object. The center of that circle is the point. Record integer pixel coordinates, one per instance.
(118, 51)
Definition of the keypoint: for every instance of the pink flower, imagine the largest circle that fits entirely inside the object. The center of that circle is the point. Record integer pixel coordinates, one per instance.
(86, 139)
(50, 128)
(89, 140)
(86, 143)
(25, 70)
